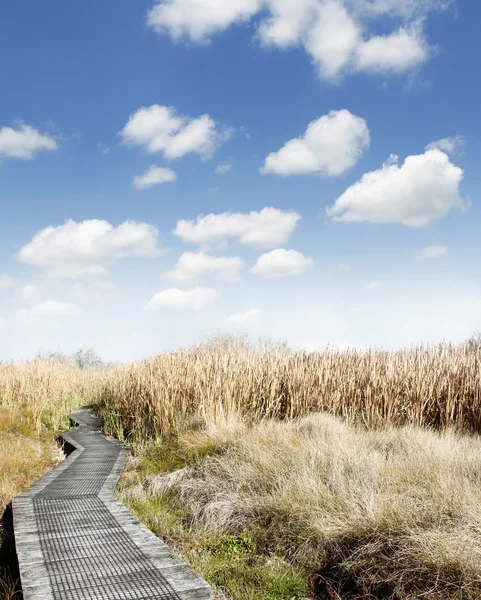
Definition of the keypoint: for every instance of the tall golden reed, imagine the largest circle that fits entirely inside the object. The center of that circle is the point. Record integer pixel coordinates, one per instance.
(42, 394)
(437, 386)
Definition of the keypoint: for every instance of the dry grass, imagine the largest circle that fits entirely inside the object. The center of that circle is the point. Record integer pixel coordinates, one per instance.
(425, 386)
(382, 497)
(35, 401)
(43, 394)
(437, 386)
(24, 456)
(391, 513)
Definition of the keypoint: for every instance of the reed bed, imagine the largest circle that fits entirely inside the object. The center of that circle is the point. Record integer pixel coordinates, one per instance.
(430, 386)
(41, 394)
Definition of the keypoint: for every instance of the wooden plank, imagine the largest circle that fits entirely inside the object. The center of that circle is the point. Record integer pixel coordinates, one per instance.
(76, 542)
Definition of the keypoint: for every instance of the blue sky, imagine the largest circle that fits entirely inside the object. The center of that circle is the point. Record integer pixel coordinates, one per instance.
(306, 171)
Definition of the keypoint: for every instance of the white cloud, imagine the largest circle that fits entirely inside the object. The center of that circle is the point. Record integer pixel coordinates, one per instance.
(24, 142)
(87, 248)
(268, 228)
(52, 308)
(424, 188)
(160, 129)
(281, 263)
(332, 38)
(450, 145)
(373, 285)
(153, 176)
(27, 292)
(242, 320)
(335, 33)
(344, 268)
(190, 266)
(331, 145)
(397, 52)
(433, 252)
(175, 299)
(223, 168)
(199, 19)
(6, 281)
(398, 8)
(287, 22)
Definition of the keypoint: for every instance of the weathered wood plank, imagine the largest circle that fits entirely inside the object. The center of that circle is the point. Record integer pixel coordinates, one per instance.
(76, 542)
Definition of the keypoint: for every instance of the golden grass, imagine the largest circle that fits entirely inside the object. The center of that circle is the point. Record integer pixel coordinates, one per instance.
(425, 386)
(24, 455)
(392, 512)
(437, 386)
(42, 394)
(383, 492)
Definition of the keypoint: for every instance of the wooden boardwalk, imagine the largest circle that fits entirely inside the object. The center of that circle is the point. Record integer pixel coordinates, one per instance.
(74, 541)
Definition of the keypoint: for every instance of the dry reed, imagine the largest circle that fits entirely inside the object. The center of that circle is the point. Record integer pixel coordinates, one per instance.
(434, 386)
(431, 386)
(42, 394)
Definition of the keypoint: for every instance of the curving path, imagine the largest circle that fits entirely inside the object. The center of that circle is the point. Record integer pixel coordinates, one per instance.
(74, 541)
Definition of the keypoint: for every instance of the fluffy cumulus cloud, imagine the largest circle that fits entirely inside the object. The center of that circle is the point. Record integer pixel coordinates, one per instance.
(331, 145)
(433, 252)
(175, 299)
(281, 263)
(87, 248)
(424, 188)
(153, 176)
(199, 19)
(397, 52)
(160, 129)
(450, 145)
(335, 33)
(191, 266)
(24, 142)
(267, 228)
(372, 285)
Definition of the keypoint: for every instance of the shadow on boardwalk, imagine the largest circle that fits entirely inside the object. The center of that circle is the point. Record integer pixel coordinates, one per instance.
(74, 541)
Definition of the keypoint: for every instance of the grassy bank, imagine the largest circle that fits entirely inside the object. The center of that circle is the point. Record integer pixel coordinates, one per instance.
(317, 504)
(25, 456)
(35, 400)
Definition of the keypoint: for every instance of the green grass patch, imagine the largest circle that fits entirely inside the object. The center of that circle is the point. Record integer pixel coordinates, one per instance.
(233, 565)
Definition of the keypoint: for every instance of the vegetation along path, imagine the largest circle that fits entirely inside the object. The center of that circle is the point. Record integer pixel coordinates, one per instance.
(75, 541)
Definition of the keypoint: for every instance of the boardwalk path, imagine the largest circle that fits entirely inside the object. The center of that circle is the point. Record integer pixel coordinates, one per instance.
(75, 542)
